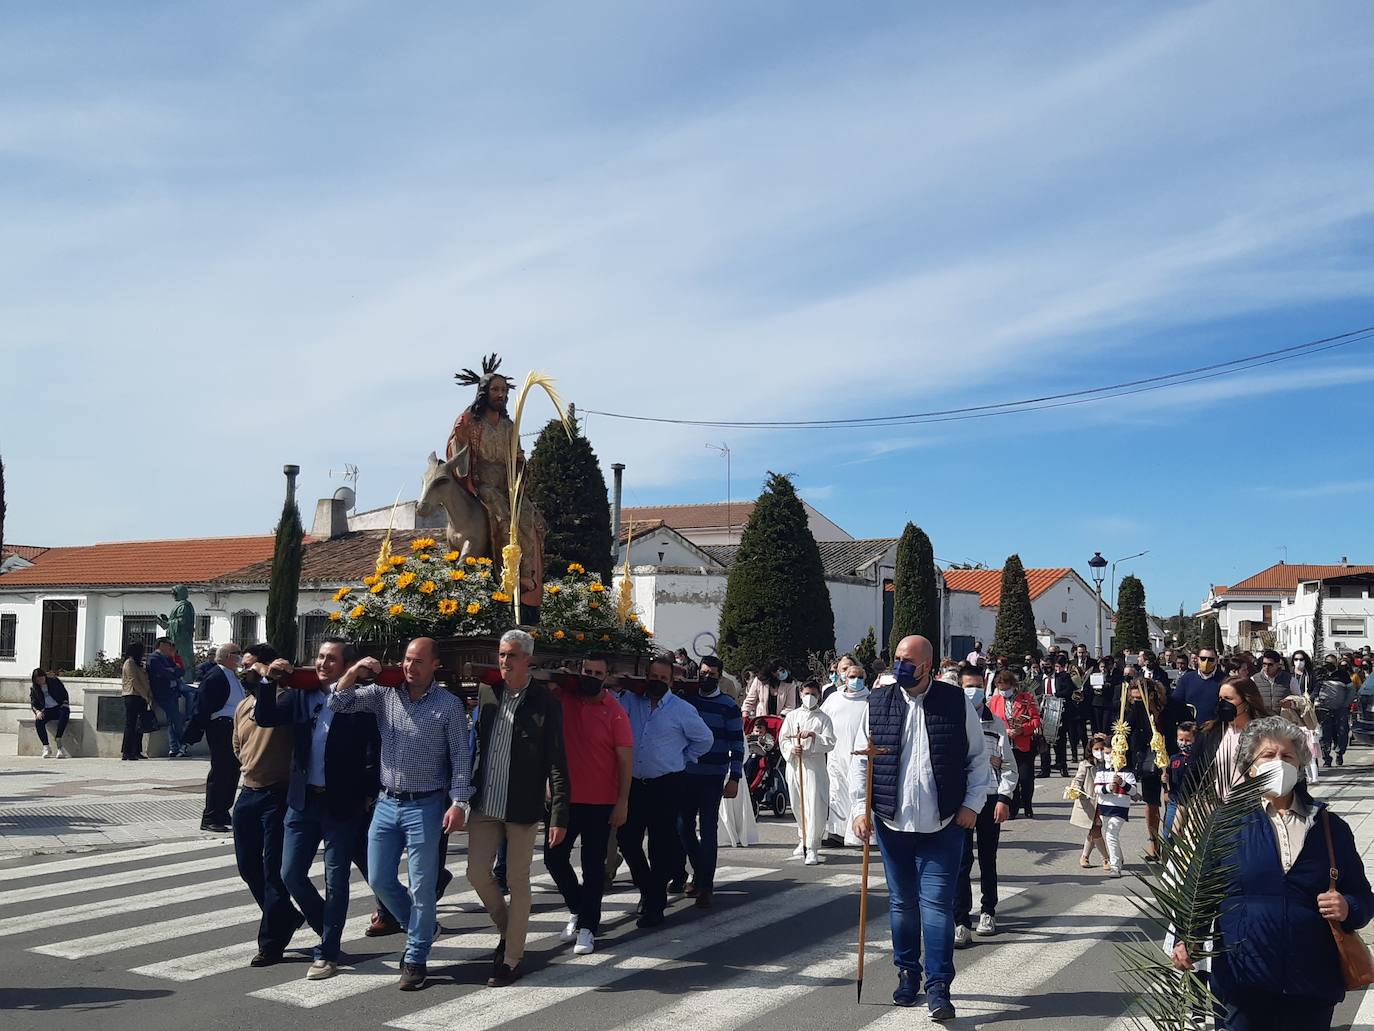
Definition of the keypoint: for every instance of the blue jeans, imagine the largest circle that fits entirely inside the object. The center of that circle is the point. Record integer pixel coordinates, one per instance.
(701, 798)
(921, 873)
(168, 698)
(1170, 811)
(258, 834)
(415, 828)
(305, 829)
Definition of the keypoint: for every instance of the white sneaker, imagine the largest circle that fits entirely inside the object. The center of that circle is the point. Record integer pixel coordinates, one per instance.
(812, 859)
(797, 852)
(987, 924)
(47, 752)
(61, 753)
(586, 944)
(1116, 871)
(963, 937)
(570, 931)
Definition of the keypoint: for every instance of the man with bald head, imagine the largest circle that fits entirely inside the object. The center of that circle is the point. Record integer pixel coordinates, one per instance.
(930, 781)
(426, 763)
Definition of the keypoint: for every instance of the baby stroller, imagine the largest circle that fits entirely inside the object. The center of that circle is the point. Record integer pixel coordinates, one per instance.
(763, 769)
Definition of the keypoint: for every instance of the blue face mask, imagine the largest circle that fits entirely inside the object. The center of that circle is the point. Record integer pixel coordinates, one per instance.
(904, 673)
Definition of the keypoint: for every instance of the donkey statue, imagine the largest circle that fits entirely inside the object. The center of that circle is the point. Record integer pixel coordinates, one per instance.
(468, 532)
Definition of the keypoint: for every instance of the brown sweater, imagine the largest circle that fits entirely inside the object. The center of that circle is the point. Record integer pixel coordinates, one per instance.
(135, 681)
(263, 752)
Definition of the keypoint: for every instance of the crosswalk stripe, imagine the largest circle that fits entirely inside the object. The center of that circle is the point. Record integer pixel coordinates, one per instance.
(149, 934)
(479, 1013)
(196, 965)
(113, 880)
(90, 862)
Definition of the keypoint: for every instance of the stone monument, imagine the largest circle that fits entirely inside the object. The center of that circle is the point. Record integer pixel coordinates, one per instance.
(181, 628)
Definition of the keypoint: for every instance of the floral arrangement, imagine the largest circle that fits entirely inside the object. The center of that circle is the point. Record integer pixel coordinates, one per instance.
(430, 593)
(579, 614)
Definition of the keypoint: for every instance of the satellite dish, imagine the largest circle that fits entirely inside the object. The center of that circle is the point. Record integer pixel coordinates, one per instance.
(704, 644)
(347, 496)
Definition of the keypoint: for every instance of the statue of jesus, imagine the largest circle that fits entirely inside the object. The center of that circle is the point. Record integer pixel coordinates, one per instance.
(486, 432)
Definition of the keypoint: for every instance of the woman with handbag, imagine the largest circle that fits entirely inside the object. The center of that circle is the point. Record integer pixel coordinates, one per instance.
(138, 700)
(1298, 895)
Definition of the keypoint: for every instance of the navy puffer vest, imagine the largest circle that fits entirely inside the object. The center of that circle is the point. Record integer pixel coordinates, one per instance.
(946, 735)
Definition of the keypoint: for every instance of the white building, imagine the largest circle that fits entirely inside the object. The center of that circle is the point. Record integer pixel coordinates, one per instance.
(1065, 608)
(1347, 614)
(719, 522)
(1248, 612)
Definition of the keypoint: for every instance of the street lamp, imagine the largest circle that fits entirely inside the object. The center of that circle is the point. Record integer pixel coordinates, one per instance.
(1117, 563)
(1098, 564)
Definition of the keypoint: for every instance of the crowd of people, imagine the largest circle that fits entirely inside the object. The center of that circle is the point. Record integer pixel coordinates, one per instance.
(927, 759)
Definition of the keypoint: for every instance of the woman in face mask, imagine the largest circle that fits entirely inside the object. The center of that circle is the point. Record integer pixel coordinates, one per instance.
(1301, 664)
(806, 738)
(1278, 969)
(1015, 706)
(1216, 749)
(771, 693)
(847, 709)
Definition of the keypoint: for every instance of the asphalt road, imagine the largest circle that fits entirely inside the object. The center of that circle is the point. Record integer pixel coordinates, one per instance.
(157, 938)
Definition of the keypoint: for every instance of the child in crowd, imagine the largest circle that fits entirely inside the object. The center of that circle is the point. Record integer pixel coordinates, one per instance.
(1115, 791)
(807, 736)
(1176, 771)
(1082, 794)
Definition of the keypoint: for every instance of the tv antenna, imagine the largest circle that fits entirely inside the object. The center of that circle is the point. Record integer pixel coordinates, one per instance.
(348, 493)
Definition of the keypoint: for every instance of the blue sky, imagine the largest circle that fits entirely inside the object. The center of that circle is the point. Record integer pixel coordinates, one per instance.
(243, 235)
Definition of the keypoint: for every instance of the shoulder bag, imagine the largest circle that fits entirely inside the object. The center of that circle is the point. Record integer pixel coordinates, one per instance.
(1356, 963)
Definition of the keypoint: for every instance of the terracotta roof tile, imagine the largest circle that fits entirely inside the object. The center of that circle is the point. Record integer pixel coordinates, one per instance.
(685, 517)
(140, 562)
(838, 558)
(988, 582)
(336, 561)
(1285, 577)
(28, 552)
(640, 528)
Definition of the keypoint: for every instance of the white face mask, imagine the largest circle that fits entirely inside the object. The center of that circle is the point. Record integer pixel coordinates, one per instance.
(1300, 664)
(810, 701)
(975, 696)
(1099, 754)
(1278, 776)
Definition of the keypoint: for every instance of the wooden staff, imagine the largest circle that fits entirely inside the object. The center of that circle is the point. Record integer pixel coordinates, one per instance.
(870, 751)
(801, 788)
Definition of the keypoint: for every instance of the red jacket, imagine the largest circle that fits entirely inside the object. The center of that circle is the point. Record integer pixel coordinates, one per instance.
(1022, 704)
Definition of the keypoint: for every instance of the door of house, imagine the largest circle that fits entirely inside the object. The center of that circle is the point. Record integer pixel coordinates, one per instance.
(58, 648)
(959, 646)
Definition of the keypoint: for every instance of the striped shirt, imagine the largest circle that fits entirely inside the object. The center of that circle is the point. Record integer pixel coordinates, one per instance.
(722, 717)
(425, 743)
(496, 763)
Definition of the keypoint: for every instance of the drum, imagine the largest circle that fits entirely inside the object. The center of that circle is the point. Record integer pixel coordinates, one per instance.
(1051, 718)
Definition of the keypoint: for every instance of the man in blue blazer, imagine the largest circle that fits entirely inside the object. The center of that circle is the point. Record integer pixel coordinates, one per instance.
(333, 777)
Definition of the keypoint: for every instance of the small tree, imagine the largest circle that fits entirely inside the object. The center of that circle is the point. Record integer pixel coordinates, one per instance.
(567, 486)
(1132, 625)
(777, 607)
(1318, 630)
(916, 605)
(1015, 633)
(866, 651)
(284, 587)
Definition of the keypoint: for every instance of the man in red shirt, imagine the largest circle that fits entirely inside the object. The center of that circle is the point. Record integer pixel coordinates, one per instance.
(600, 751)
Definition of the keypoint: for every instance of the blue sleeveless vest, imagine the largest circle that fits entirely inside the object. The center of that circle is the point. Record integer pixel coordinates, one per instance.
(946, 735)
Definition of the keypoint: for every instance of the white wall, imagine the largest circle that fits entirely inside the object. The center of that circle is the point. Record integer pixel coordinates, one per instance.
(1067, 610)
(645, 551)
(1294, 622)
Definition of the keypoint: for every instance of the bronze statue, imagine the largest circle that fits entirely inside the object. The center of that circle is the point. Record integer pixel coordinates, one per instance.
(479, 452)
(181, 628)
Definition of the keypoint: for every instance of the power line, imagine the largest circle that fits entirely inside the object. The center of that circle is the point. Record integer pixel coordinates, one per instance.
(1033, 404)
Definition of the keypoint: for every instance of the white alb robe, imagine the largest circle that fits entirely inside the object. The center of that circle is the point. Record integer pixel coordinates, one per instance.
(847, 716)
(808, 780)
(737, 825)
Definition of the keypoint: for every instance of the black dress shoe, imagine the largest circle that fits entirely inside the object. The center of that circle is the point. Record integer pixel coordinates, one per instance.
(652, 918)
(217, 828)
(503, 976)
(677, 886)
(703, 900)
(265, 959)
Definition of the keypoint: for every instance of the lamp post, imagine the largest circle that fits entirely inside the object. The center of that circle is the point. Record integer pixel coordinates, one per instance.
(1098, 565)
(1117, 563)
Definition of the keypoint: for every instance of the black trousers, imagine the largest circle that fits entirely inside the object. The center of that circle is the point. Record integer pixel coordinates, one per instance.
(591, 824)
(1061, 762)
(61, 714)
(1025, 782)
(1076, 732)
(654, 805)
(1102, 719)
(258, 832)
(134, 708)
(223, 779)
(1266, 1011)
(987, 834)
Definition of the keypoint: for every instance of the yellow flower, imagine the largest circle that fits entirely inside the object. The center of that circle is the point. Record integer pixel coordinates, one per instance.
(597, 588)
(500, 597)
(447, 607)
(457, 574)
(452, 556)
(372, 579)
(342, 593)
(334, 617)
(648, 633)
(470, 561)
(484, 575)
(577, 567)
(632, 618)
(423, 556)
(421, 543)
(405, 580)
(554, 589)
(484, 561)
(428, 587)
(397, 609)
(377, 588)
(397, 560)
(605, 637)
(473, 608)
(357, 612)
(593, 605)
(534, 633)
(558, 635)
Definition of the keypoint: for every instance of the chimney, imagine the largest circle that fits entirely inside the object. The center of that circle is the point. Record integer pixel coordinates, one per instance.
(618, 471)
(1345, 561)
(331, 519)
(291, 471)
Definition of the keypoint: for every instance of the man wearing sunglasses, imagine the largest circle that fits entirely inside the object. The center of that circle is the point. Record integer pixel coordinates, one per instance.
(1201, 687)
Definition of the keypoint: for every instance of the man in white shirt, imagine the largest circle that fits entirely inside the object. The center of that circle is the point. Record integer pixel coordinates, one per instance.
(930, 781)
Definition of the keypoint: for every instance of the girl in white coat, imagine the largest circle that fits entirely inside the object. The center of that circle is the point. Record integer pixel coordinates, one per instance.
(806, 738)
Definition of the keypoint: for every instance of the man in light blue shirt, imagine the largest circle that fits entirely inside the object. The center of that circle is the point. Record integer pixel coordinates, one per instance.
(669, 734)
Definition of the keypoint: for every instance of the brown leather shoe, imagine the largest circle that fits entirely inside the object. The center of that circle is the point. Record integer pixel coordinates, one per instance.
(381, 926)
(703, 900)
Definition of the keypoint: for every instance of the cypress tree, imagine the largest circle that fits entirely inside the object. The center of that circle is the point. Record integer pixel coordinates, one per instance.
(1132, 626)
(866, 651)
(1318, 630)
(1015, 634)
(284, 586)
(916, 605)
(567, 486)
(777, 607)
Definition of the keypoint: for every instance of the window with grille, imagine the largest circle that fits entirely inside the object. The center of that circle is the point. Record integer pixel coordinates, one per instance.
(243, 628)
(202, 629)
(1347, 626)
(9, 635)
(314, 629)
(140, 626)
